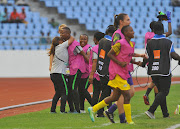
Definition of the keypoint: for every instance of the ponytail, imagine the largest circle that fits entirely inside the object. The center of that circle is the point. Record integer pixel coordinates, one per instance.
(115, 22)
(55, 42)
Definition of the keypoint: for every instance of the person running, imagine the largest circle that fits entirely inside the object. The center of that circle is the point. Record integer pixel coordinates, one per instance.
(76, 67)
(83, 86)
(160, 51)
(121, 55)
(148, 36)
(58, 71)
(120, 21)
(94, 77)
(102, 68)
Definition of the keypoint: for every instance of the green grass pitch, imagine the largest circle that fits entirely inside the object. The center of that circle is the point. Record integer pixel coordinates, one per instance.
(45, 120)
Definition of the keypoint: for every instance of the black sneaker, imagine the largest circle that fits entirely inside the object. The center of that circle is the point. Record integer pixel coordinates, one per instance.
(109, 116)
(53, 112)
(100, 115)
(62, 112)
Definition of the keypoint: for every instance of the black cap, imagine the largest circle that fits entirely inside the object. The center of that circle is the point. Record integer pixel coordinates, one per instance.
(158, 28)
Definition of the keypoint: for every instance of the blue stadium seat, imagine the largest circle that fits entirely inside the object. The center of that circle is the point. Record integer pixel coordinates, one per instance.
(82, 20)
(56, 3)
(77, 9)
(48, 3)
(69, 15)
(14, 41)
(33, 47)
(65, 3)
(90, 27)
(2, 47)
(73, 2)
(1, 43)
(61, 9)
(21, 41)
(13, 26)
(7, 47)
(17, 47)
(30, 42)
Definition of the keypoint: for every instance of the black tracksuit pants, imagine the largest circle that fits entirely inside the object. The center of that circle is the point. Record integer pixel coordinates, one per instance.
(163, 84)
(73, 95)
(83, 93)
(100, 87)
(60, 91)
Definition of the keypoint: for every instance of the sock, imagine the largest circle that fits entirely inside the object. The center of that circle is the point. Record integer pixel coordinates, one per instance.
(148, 91)
(122, 118)
(99, 106)
(112, 108)
(127, 109)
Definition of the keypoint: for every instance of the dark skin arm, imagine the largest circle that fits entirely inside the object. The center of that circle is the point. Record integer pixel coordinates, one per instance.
(85, 56)
(111, 54)
(92, 71)
(169, 30)
(175, 56)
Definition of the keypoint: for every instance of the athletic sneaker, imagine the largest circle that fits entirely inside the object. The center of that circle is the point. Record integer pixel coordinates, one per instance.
(53, 112)
(109, 116)
(82, 111)
(75, 112)
(131, 123)
(100, 115)
(62, 112)
(91, 113)
(150, 115)
(146, 99)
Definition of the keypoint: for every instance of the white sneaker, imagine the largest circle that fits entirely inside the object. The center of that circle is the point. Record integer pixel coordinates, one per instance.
(150, 115)
(82, 111)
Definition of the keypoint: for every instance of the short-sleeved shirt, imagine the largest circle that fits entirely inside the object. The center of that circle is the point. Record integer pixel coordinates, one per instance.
(14, 16)
(89, 49)
(116, 37)
(22, 16)
(60, 60)
(95, 56)
(117, 47)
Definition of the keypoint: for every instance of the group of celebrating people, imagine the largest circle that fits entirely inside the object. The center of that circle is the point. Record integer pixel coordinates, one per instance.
(108, 66)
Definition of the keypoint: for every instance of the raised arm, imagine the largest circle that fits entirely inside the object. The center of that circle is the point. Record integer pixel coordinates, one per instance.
(169, 24)
(70, 40)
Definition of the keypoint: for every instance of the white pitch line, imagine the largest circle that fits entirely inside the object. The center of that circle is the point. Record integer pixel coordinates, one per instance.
(174, 126)
(49, 100)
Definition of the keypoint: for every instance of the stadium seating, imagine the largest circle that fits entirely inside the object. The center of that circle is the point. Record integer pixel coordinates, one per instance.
(97, 15)
(17, 36)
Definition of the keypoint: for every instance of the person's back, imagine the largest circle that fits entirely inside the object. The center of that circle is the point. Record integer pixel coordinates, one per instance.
(103, 60)
(159, 64)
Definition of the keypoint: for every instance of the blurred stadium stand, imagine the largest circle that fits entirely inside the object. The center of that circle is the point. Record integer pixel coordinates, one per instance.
(96, 15)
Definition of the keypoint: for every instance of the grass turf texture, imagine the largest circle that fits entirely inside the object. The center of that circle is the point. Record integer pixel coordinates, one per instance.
(45, 120)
